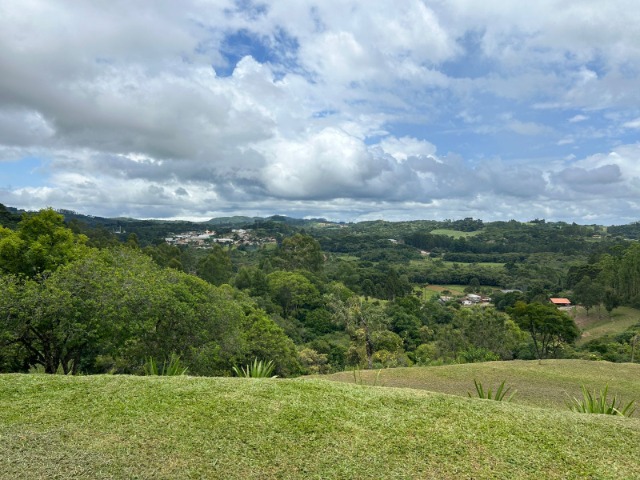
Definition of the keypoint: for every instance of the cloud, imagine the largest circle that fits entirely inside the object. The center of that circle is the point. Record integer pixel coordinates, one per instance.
(311, 107)
(578, 118)
(635, 124)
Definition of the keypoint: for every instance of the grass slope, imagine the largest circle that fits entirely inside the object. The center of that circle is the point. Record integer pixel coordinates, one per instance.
(598, 323)
(546, 384)
(455, 233)
(186, 427)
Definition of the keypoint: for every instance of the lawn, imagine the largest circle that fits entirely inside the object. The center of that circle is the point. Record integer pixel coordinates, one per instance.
(99, 427)
(598, 323)
(546, 384)
(454, 233)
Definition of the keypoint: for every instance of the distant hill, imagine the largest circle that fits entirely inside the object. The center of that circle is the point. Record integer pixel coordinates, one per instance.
(232, 221)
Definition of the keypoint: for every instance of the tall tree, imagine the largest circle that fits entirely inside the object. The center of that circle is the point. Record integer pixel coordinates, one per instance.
(216, 267)
(587, 293)
(41, 243)
(301, 252)
(548, 326)
(362, 320)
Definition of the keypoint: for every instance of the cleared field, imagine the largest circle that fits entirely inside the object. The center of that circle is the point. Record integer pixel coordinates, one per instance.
(598, 323)
(454, 233)
(477, 264)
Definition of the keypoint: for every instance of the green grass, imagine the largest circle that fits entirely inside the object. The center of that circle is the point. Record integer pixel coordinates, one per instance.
(546, 385)
(598, 324)
(476, 264)
(454, 233)
(234, 428)
(426, 260)
(453, 289)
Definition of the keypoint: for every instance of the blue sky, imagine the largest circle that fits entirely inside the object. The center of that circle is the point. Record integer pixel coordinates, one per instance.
(345, 109)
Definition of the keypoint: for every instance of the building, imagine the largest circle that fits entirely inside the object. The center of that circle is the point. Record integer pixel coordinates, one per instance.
(560, 302)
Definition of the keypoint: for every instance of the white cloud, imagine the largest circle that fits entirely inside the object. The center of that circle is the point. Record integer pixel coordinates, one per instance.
(338, 106)
(578, 118)
(632, 124)
(402, 148)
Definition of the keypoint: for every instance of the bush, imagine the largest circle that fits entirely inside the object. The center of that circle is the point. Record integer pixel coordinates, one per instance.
(257, 369)
(499, 395)
(593, 403)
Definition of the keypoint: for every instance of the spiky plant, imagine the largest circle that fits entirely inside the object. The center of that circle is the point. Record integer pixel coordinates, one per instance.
(499, 395)
(173, 366)
(594, 403)
(256, 369)
(357, 378)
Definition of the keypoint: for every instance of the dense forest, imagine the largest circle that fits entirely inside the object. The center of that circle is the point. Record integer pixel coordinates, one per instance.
(89, 295)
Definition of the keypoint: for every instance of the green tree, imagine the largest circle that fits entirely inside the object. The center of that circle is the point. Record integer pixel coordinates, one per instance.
(362, 319)
(291, 291)
(301, 252)
(41, 243)
(548, 326)
(611, 300)
(113, 309)
(216, 267)
(587, 293)
(488, 329)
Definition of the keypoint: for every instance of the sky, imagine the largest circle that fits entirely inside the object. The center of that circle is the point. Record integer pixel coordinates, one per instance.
(349, 110)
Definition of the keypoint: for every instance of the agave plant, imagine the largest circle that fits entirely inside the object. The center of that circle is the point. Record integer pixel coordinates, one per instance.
(173, 366)
(593, 403)
(256, 369)
(499, 395)
(357, 378)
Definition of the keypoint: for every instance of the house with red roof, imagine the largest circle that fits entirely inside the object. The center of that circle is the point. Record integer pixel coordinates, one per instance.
(560, 302)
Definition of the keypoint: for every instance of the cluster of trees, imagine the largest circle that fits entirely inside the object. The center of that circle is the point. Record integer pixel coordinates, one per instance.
(78, 298)
(64, 305)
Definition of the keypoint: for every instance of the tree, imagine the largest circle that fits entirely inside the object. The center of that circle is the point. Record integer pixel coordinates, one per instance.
(611, 300)
(361, 320)
(41, 243)
(587, 293)
(301, 252)
(292, 291)
(113, 309)
(491, 330)
(216, 267)
(548, 326)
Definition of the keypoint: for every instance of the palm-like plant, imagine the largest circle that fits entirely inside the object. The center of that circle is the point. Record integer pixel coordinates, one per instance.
(593, 403)
(499, 395)
(256, 369)
(171, 367)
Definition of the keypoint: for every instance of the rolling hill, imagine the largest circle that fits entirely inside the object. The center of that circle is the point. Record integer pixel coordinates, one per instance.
(189, 427)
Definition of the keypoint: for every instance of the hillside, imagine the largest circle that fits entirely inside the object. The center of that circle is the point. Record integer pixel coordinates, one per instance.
(546, 384)
(188, 427)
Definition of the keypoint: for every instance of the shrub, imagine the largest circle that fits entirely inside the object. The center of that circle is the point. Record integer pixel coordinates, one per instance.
(171, 367)
(499, 395)
(257, 369)
(593, 403)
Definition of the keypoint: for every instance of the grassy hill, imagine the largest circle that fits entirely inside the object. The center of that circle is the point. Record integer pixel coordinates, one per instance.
(598, 323)
(546, 384)
(187, 427)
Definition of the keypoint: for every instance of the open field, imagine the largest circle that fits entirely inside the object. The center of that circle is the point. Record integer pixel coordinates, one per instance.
(546, 384)
(454, 233)
(426, 260)
(454, 289)
(477, 264)
(431, 291)
(598, 323)
(187, 427)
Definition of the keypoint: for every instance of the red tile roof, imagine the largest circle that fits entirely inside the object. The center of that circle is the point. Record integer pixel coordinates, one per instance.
(560, 301)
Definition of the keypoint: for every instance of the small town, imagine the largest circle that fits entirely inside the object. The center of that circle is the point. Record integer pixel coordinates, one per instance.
(206, 239)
